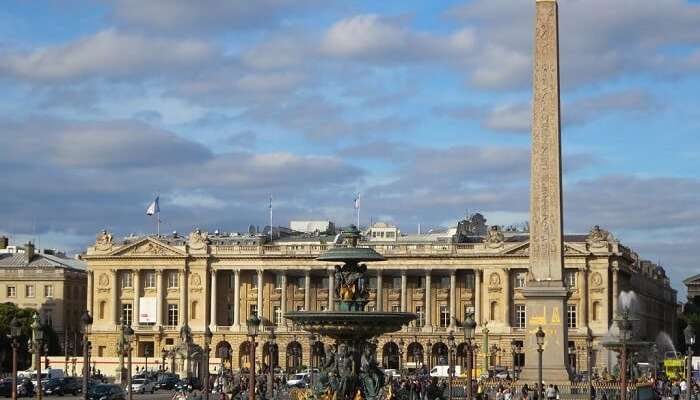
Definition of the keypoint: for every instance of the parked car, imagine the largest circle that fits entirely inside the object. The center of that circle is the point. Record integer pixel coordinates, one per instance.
(53, 386)
(167, 381)
(6, 387)
(300, 380)
(25, 388)
(142, 385)
(106, 392)
(191, 384)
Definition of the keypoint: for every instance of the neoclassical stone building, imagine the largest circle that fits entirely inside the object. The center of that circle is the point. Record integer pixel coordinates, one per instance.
(219, 279)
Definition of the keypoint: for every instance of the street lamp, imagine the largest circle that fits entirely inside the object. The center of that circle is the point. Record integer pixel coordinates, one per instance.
(690, 342)
(271, 363)
(589, 359)
(625, 326)
(163, 354)
(312, 356)
(401, 344)
(469, 328)
(208, 335)
(430, 354)
(253, 330)
(451, 345)
(514, 353)
(128, 336)
(38, 338)
(540, 342)
(15, 333)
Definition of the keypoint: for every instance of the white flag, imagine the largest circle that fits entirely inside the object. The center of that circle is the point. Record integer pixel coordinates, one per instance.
(154, 207)
(357, 202)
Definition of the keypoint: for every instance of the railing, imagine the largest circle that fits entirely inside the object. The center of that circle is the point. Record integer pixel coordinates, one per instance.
(316, 249)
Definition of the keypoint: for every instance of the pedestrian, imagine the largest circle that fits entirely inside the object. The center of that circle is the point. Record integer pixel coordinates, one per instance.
(550, 393)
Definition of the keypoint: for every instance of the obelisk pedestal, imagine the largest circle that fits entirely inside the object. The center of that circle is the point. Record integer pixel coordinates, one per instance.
(545, 293)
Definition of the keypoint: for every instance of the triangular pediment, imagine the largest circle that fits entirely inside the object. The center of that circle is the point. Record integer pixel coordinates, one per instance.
(148, 247)
(523, 249)
(693, 280)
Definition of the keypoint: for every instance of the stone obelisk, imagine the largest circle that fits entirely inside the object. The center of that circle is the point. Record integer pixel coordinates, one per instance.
(545, 293)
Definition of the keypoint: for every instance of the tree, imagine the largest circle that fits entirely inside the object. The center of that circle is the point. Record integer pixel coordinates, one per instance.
(8, 311)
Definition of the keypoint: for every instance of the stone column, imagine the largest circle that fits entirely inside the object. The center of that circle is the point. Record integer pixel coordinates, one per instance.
(136, 282)
(236, 298)
(307, 290)
(89, 294)
(478, 307)
(283, 300)
(428, 302)
(585, 296)
(380, 291)
(506, 298)
(261, 305)
(404, 290)
(453, 297)
(160, 297)
(182, 317)
(545, 293)
(331, 290)
(212, 309)
(615, 291)
(116, 287)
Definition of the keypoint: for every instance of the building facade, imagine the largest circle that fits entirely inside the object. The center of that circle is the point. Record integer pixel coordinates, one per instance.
(693, 285)
(49, 282)
(158, 284)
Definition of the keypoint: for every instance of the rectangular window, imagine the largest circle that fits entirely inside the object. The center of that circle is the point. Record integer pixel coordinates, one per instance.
(254, 280)
(396, 282)
(29, 291)
(420, 313)
(324, 283)
(48, 291)
(127, 313)
(372, 282)
(300, 308)
(571, 315)
(324, 308)
(444, 282)
(278, 281)
(277, 315)
(469, 281)
(520, 318)
(172, 279)
(126, 279)
(468, 311)
(519, 280)
(11, 291)
(253, 310)
(299, 282)
(230, 282)
(372, 308)
(570, 279)
(48, 317)
(444, 316)
(396, 307)
(419, 282)
(149, 279)
(173, 315)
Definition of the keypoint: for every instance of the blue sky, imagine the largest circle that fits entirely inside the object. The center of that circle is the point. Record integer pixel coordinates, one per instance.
(424, 107)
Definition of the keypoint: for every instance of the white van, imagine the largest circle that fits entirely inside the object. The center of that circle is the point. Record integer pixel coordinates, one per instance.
(46, 374)
(443, 371)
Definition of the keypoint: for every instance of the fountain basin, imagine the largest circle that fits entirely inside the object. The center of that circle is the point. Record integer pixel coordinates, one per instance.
(351, 325)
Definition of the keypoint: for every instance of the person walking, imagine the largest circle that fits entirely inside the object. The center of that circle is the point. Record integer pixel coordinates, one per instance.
(550, 393)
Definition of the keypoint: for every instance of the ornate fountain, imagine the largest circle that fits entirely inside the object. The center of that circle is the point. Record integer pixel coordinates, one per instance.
(350, 370)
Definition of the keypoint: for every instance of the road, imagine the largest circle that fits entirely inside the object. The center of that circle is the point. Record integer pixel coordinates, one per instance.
(159, 395)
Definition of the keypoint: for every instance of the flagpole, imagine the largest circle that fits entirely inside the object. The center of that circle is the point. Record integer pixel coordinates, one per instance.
(271, 237)
(359, 204)
(158, 222)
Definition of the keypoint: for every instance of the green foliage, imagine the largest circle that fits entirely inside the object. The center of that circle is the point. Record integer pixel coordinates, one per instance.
(8, 311)
(691, 315)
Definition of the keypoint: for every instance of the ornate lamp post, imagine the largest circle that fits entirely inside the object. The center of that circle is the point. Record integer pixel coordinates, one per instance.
(469, 328)
(485, 347)
(271, 364)
(38, 338)
(15, 333)
(128, 336)
(401, 344)
(451, 371)
(690, 343)
(540, 342)
(186, 337)
(163, 354)
(312, 356)
(253, 330)
(514, 352)
(589, 359)
(430, 354)
(625, 326)
(121, 347)
(208, 335)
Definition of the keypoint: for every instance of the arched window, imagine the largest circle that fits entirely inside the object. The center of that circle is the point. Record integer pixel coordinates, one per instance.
(193, 313)
(493, 312)
(101, 310)
(597, 309)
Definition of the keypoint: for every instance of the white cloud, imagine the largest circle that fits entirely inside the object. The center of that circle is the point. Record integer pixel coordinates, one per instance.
(108, 53)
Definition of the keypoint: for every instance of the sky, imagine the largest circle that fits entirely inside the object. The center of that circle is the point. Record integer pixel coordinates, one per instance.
(422, 107)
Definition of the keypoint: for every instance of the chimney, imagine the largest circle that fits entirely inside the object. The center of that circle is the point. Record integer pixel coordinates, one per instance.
(29, 251)
(4, 242)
